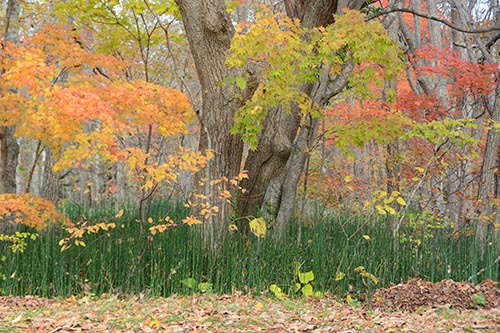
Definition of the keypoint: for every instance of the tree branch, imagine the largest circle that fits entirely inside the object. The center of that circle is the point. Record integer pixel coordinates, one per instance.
(430, 17)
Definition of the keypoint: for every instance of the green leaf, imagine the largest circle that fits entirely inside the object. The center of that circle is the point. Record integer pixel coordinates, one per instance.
(478, 299)
(307, 290)
(241, 82)
(190, 283)
(278, 293)
(319, 295)
(306, 277)
(205, 287)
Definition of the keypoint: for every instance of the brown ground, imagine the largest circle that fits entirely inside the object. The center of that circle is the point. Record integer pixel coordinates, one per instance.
(416, 306)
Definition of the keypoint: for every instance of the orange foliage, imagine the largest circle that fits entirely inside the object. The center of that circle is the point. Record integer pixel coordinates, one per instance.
(30, 210)
(74, 101)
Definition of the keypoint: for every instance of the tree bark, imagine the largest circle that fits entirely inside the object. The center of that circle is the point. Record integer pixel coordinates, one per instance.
(209, 30)
(279, 159)
(9, 148)
(486, 190)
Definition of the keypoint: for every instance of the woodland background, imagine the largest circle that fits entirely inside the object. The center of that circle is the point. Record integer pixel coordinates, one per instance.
(284, 146)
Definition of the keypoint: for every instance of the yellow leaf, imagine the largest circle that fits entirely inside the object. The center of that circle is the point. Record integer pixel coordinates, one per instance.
(155, 323)
(340, 276)
(379, 195)
(401, 201)
(150, 220)
(119, 214)
(225, 194)
(380, 210)
(149, 185)
(348, 178)
(420, 169)
(388, 200)
(390, 210)
(209, 154)
(395, 194)
(191, 220)
(258, 227)
(367, 237)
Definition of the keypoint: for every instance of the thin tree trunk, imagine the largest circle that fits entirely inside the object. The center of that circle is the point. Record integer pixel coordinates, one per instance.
(486, 190)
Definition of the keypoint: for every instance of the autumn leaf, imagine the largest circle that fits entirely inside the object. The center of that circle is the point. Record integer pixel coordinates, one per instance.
(119, 214)
(191, 220)
(258, 227)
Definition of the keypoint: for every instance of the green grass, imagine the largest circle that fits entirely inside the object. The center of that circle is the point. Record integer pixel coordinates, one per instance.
(123, 261)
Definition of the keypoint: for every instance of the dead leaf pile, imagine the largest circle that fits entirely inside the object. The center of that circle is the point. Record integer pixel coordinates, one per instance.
(417, 294)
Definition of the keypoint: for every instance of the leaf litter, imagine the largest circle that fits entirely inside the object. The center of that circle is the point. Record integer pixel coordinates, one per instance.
(415, 306)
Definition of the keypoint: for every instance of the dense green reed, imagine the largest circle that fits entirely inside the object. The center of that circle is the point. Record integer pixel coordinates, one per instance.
(124, 261)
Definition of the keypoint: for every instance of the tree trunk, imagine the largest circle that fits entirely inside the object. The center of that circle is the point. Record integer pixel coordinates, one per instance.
(51, 181)
(209, 30)
(486, 190)
(9, 149)
(276, 166)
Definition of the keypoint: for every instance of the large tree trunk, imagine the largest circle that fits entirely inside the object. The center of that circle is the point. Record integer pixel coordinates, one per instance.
(209, 30)
(280, 157)
(9, 149)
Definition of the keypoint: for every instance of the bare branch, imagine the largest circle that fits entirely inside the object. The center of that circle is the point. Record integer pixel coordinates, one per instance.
(430, 17)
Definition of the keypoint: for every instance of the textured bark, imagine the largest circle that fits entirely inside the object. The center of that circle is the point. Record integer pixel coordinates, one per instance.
(9, 149)
(210, 31)
(279, 160)
(52, 185)
(486, 191)
(321, 92)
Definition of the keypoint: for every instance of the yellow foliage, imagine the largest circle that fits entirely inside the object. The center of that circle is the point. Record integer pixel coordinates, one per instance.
(18, 240)
(76, 233)
(161, 228)
(191, 220)
(258, 227)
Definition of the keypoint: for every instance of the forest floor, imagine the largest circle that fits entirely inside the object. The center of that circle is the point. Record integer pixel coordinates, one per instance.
(415, 306)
